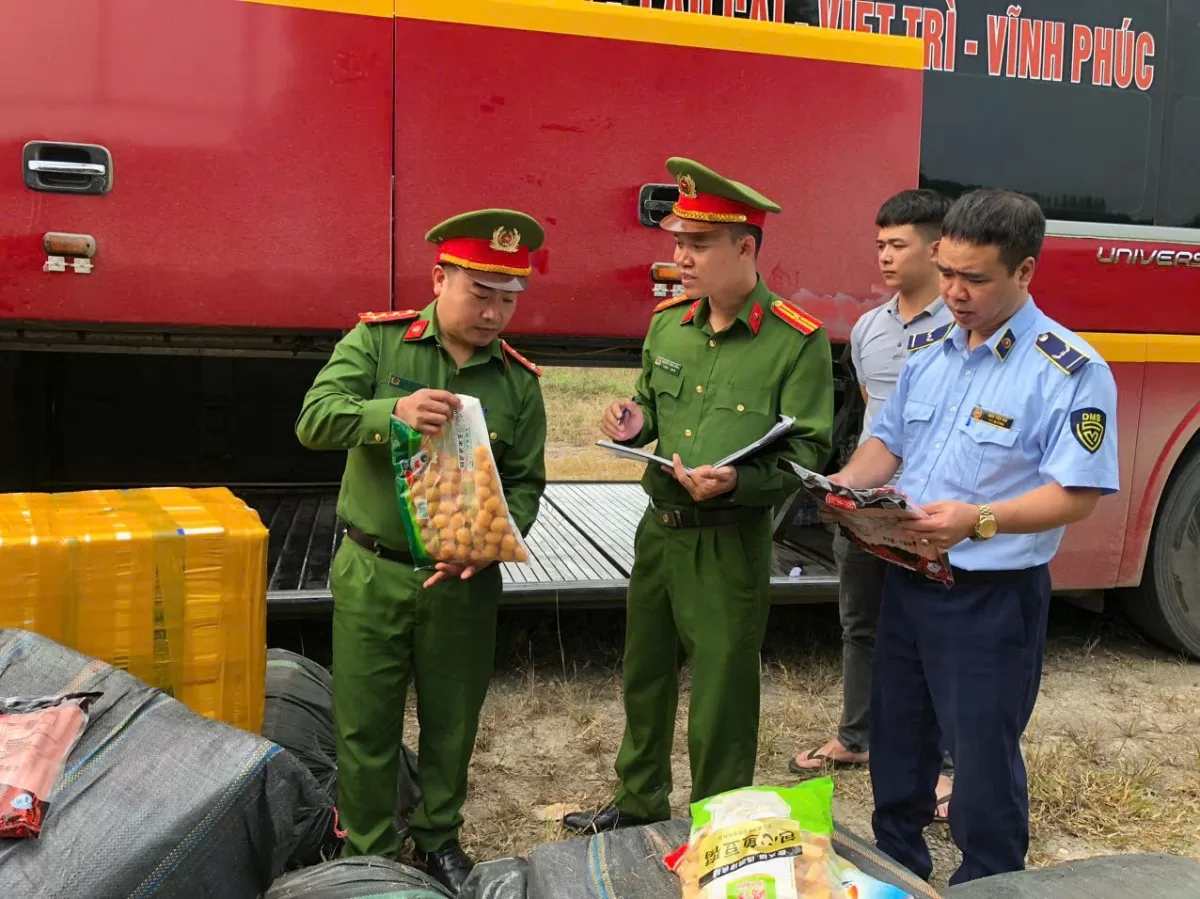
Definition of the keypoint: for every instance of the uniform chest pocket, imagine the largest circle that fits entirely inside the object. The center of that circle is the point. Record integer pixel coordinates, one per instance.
(917, 418)
(665, 383)
(747, 413)
(982, 452)
(502, 432)
(666, 387)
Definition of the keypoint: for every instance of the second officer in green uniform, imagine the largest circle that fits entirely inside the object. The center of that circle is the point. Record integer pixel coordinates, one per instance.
(719, 366)
(392, 623)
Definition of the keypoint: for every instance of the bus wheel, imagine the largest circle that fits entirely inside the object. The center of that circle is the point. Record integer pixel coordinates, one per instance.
(1167, 603)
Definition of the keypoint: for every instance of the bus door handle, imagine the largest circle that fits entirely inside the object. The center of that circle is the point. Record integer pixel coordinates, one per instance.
(67, 168)
(655, 202)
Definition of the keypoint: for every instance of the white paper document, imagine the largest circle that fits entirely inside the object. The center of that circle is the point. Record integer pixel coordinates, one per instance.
(781, 430)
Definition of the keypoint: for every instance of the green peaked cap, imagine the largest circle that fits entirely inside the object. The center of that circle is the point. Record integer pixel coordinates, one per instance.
(483, 223)
(709, 182)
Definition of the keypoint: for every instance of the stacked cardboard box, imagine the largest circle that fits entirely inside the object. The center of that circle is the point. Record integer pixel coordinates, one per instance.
(166, 583)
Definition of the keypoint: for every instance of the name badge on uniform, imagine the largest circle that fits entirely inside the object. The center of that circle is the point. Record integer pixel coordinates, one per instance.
(671, 368)
(405, 383)
(995, 419)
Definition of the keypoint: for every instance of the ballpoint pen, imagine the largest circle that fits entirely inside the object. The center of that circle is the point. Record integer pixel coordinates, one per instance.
(625, 412)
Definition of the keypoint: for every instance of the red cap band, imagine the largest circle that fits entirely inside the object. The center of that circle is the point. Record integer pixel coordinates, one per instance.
(711, 208)
(477, 253)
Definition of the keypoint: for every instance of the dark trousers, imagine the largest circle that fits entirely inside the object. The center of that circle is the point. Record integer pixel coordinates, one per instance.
(860, 592)
(967, 662)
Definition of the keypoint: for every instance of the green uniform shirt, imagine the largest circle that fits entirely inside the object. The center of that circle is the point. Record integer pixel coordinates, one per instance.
(349, 407)
(705, 395)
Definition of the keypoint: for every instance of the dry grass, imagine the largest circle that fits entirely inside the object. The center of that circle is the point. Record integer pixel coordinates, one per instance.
(575, 400)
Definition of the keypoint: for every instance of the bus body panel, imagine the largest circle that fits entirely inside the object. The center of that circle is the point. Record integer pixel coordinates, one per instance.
(1169, 422)
(569, 127)
(250, 156)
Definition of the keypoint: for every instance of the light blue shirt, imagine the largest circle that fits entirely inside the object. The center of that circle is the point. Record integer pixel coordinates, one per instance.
(1031, 406)
(879, 350)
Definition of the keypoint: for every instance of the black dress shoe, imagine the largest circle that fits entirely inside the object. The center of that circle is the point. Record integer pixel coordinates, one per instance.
(449, 866)
(610, 818)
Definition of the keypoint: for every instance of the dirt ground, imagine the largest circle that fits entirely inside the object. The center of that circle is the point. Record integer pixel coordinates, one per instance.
(1113, 751)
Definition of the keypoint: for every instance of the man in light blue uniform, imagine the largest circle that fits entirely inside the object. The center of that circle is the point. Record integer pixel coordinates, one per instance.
(1005, 422)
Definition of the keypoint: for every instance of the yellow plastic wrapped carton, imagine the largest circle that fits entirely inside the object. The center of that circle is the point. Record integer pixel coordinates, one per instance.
(168, 583)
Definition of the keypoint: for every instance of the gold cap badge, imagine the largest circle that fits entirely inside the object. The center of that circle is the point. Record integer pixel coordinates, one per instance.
(687, 186)
(506, 240)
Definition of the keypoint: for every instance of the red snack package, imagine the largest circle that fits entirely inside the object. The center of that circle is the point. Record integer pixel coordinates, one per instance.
(36, 736)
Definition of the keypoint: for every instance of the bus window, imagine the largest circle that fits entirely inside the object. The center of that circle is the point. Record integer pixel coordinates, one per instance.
(1180, 201)
(1053, 107)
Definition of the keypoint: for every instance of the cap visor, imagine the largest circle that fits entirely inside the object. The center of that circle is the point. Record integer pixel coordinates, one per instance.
(686, 226)
(498, 280)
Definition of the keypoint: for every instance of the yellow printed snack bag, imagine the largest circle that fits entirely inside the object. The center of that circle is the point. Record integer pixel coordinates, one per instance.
(451, 498)
(763, 843)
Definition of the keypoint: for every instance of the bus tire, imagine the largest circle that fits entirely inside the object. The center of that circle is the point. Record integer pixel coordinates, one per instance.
(1166, 605)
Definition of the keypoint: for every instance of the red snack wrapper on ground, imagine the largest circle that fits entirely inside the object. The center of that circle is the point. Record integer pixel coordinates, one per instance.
(36, 736)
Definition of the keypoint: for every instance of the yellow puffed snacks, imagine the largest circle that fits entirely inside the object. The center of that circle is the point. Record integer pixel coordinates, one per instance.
(451, 498)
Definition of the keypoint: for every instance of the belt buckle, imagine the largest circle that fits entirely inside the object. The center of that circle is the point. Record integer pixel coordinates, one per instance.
(672, 518)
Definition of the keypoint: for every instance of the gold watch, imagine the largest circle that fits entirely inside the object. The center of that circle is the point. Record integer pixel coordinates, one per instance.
(986, 527)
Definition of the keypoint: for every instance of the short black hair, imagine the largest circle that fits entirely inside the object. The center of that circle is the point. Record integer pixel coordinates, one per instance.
(1009, 221)
(737, 231)
(924, 209)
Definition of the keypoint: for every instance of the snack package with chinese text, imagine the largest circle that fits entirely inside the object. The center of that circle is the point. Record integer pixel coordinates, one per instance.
(768, 842)
(451, 499)
(36, 736)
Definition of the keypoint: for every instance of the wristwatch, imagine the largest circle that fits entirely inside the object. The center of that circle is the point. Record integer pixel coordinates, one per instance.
(986, 527)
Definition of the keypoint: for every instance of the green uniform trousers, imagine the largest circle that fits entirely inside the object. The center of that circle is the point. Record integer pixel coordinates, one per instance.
(386, 629)
(703, 595)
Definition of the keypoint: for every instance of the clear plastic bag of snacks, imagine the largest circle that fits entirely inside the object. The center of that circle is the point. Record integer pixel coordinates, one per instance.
(762, 843)
(451, 498)
(36, 736)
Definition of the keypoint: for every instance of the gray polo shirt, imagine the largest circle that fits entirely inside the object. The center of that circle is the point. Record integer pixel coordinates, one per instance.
(879, 348)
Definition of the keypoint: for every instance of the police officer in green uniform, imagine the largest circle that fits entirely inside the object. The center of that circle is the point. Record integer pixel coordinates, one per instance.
(719, 366)
(392, 623)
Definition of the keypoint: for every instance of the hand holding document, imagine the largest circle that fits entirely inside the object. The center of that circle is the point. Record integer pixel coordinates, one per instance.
(868, 518)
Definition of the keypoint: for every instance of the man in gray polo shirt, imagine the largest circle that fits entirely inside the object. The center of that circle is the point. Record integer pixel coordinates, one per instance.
(909, 226)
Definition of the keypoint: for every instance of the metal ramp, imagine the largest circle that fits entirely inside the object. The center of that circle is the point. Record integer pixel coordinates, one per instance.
(581, 550)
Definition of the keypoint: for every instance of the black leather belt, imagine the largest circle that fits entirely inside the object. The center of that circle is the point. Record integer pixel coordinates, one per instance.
(695, 517)
(371, 546)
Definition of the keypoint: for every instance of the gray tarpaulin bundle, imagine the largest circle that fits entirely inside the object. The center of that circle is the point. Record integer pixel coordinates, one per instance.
(359, 878)
(299, 717)
(154, 800)
(352, 878)
(1108, 877)
(503, 878)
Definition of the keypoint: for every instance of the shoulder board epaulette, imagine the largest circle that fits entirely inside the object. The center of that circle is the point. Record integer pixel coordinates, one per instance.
(796, 317)
(376, 318)
(1060, 353)
(669, 302)
(525, 362)
(929, 338)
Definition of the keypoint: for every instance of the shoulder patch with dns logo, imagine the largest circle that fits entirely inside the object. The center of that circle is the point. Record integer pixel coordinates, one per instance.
(1088, 426)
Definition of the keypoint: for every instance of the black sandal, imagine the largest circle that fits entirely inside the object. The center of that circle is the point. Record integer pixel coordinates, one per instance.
(826, 760)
